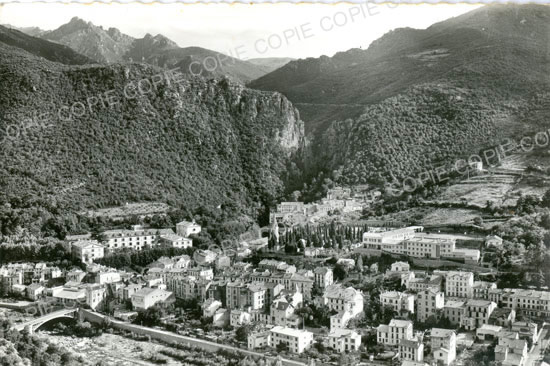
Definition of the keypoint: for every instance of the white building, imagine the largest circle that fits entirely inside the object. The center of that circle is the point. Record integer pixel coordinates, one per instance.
(107, 277)
(323, 277)
(135, 239)
(344, 340)
(493, 241)
(455, 311)
(459, 284)
(201, 272)
(392, 333)
(411, 349)
(398, 269)
(210, 306)
(176, 241)
(186, 228)
(239, 317)
(297, 340)
(87, 250)
(428, 303)
(399, 301)
(477, 313)
(95, 295)
(147, 297)
(338, 298)
(443, 345)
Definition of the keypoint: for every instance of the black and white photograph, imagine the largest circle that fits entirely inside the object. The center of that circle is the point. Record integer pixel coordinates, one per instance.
(274, 184)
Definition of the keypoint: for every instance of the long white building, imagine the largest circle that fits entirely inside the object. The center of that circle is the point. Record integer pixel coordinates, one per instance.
(410, 241)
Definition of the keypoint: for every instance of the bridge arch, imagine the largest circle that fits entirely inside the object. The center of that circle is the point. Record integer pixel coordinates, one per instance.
(58, 319)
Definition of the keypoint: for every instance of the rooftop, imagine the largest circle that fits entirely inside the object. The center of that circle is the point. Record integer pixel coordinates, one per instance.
(289, 331)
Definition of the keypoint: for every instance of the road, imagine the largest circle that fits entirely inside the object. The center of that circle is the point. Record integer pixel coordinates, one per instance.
(535, 353)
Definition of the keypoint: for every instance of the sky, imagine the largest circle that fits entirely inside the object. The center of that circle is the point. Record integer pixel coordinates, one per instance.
(244, 30)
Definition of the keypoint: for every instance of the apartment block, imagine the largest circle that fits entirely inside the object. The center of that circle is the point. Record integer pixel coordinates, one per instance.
(399, 301)
(411, 350)
(429, 302)
(297, 340)
(392, 333)
(455, 311)
(477, 313)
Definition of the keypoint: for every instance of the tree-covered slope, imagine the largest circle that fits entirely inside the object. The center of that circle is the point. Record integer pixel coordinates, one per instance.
(194, 142)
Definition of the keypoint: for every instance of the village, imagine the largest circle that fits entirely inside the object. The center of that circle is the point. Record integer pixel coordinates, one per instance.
(396, 295)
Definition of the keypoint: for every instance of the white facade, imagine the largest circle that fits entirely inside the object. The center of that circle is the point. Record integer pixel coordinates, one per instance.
(186, 228)
(323, 277)
(344, 340)
(339, 299)
(297, 340)
(443, 345)
(176, 241)
(87, 250)
(477, 313)
(411, 350)
(135, 239)
(398, 301)
(428, 303)
(147, 297)
(459, 284)
(392, 333)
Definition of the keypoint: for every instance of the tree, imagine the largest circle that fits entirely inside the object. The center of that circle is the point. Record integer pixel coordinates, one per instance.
(545, 220)
(545, 202)
(359, 263)
(478, 221)
(150, 317)
(241, 334)
(282, 347)
(340, 272)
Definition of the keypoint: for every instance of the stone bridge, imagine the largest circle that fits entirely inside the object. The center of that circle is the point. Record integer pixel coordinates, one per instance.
(38, 322)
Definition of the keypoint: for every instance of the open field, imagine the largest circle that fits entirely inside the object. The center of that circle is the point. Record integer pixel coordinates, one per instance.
(130, 209)
(449, 216)
(111, 349)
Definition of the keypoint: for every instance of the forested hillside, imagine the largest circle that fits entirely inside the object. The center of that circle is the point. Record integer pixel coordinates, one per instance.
(194, 143)
(426, 127)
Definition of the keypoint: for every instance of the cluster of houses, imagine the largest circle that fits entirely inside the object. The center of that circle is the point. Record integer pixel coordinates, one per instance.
(467, 304)
(27, 279)
(338, 199)
(87, 250)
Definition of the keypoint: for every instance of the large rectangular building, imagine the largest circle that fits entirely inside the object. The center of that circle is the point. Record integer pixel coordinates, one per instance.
(135, 239)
